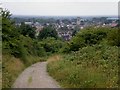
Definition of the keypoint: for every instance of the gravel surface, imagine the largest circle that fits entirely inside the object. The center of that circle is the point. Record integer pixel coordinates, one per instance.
(35, 76)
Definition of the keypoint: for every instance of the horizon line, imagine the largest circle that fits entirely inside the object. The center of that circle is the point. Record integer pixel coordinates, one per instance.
(62, 15)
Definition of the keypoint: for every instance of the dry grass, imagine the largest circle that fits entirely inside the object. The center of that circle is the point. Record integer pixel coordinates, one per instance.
(54, 58)
(11, 68)
(14, 65)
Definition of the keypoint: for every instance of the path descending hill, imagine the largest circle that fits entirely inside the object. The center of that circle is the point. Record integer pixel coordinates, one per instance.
(35, 76)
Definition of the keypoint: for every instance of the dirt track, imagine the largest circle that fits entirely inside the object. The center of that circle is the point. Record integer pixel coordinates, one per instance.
(35, 76)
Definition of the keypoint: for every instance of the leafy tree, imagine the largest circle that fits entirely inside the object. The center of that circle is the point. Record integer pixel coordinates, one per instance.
(86, 37)
(52, 45)
(48, 32)
(6, 14)
(10, 35)
(8, 29)
(27, 30)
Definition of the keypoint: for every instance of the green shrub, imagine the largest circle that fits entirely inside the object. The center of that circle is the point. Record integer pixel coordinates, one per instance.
(51, 45)
(90, 67)
(48, 31)
(90, 37)
(114, 37)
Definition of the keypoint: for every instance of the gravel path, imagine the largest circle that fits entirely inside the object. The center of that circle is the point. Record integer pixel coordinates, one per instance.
(35, 76)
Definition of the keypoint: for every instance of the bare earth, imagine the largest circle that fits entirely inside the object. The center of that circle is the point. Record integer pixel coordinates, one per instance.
(35, 76)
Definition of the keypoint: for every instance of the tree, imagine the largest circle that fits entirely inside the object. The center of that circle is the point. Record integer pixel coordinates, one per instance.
(10, 34)
(6, 14)
(27, 30)
(8, 29)
(48, 32)
(76, 30)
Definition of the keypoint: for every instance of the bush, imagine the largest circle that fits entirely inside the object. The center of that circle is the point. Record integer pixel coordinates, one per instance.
(90, 67)
(47, 32)
(114, 37)
(51, 45)
(91, 60)
(89, 37)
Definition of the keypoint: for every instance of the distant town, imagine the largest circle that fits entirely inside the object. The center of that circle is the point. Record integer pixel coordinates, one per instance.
(66, 27)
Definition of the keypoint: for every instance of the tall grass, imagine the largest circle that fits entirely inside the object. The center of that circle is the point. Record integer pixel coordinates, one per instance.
(90, 67)
(11, 68)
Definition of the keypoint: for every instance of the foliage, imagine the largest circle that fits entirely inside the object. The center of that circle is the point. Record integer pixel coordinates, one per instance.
(91, 60)
(6, 13)
(90, 67)
(9, 70)
(31, 46)
(47, 32)
(113, 37)
(51, 45)
(18, 41)
(27, 30)
(89, 37)
(8, 29)
(20, 49)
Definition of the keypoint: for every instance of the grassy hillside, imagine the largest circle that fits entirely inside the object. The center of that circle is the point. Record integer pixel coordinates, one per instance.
(11, 68)
(89, 67)
(91, 60)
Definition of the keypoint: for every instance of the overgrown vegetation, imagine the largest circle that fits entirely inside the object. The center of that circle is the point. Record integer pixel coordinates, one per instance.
(92, 36)
(47, 32)
(91, 60)
(11, 67)
(20, 47)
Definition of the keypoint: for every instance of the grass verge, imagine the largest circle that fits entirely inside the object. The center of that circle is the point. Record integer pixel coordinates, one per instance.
(12, 67)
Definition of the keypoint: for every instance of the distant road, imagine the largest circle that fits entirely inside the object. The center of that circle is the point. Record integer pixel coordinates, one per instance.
(35, 76)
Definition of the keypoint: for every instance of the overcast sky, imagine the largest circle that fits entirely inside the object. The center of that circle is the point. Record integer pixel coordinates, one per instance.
(62, 7)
